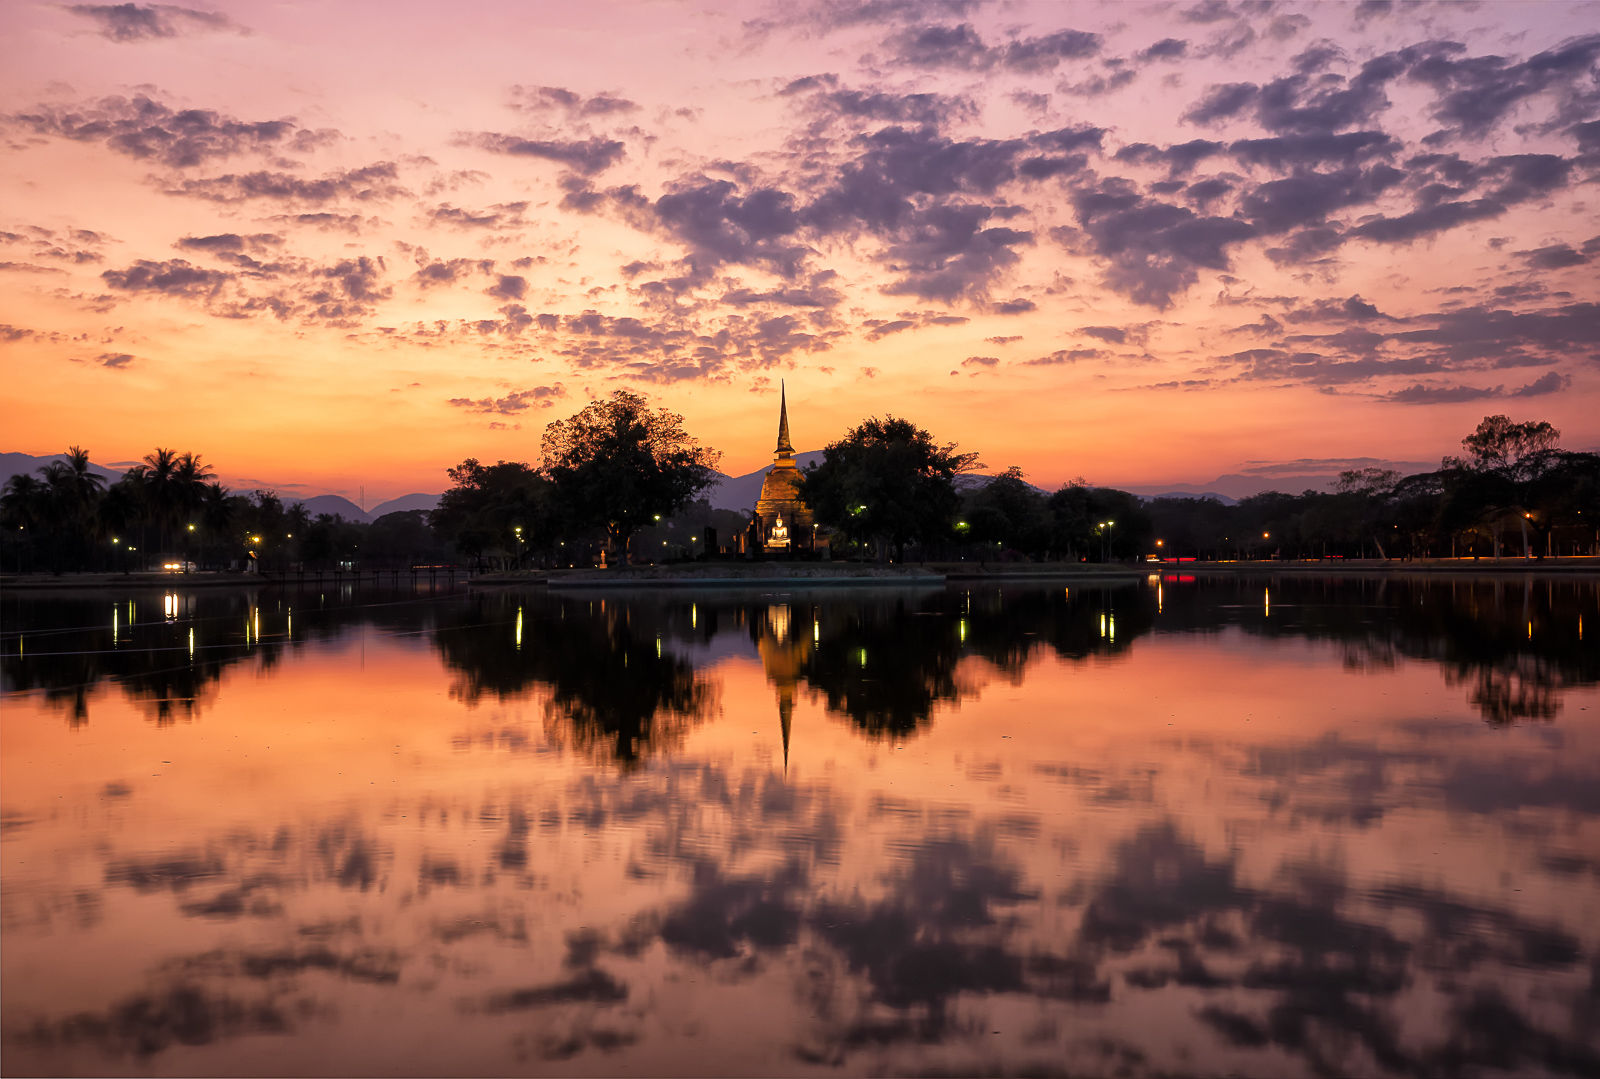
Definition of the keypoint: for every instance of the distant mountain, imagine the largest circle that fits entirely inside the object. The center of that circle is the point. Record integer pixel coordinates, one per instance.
(331, 504)
(16, 464)
(972, 481)
(403, 504)
(739, 493)
(1224, 499)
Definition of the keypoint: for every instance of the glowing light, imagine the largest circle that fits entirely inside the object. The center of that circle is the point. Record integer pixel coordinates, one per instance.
(1266, 602)
(191, 528)
(961, 631)
(863, 656)
(518, 634)
(114, 627)
(694, 616)
(191, 642)
(169, 605)
(816, 631)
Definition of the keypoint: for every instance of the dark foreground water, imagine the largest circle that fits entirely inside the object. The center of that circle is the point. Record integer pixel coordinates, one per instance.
(1177, 827)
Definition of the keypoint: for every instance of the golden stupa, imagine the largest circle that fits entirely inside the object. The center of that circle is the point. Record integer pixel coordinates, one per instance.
(786, 524)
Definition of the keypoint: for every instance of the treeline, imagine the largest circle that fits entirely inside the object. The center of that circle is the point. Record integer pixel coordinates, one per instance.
(890, 489)
(616, 475)
(621, 478)
(1512, 492)
(170, 508)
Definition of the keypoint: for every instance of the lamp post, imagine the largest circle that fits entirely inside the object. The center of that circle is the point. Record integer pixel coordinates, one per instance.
(1104, 528)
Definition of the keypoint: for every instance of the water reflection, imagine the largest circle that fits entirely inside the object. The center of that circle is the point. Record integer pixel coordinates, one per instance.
(884, 662)
(66, 644)
(530, 833)
(1515, 644)
(611, 686)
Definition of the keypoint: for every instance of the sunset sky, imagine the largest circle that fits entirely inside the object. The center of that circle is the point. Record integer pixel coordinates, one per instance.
(348, 245)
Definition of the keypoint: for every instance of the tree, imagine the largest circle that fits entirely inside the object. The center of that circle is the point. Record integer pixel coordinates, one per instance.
(173, 485)
(496, 511)
(1364, 494)
(1496, 482)
(24, 511)
(1515, 450)
(1008, 511)
(1102, 523)
(619, 464)
(887, 481)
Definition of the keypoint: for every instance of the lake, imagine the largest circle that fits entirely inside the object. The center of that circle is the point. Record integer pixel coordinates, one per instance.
(1177, 825)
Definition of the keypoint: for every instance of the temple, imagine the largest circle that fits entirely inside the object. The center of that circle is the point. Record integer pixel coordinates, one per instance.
(783, 521)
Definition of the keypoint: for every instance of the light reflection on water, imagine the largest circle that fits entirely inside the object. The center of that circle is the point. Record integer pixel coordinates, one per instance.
(1178, 827)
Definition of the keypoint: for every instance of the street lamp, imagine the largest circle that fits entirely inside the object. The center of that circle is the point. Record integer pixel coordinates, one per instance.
(1104, 528)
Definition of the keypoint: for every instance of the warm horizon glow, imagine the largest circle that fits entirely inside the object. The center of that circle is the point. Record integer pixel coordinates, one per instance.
(342, 248)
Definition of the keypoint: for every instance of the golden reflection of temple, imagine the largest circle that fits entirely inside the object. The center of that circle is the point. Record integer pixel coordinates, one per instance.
(783, 654)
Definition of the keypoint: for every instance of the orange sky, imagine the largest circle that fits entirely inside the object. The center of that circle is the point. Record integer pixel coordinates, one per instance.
(348, 247)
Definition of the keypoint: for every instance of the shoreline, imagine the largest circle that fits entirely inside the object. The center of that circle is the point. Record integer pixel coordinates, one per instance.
(831, 575)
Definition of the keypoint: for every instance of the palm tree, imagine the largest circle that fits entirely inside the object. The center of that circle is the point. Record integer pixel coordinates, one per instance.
(174, 486)
(78, 493)
(23, 512)
(122, 515)
(216, 515)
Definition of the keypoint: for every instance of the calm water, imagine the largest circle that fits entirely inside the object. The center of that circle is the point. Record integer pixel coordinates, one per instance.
(1297, 827)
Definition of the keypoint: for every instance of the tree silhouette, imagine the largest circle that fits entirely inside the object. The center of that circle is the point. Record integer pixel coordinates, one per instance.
(618, 464)
(498, 511)
(887, 481)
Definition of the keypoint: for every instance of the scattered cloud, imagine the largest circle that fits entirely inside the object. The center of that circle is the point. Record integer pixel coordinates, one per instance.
(586, 156)
(144, 22)
(514, 402)
(144, 128)
(376, 182)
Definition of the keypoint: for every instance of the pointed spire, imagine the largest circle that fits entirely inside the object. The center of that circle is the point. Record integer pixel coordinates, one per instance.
(785, 447)
(785, 721)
